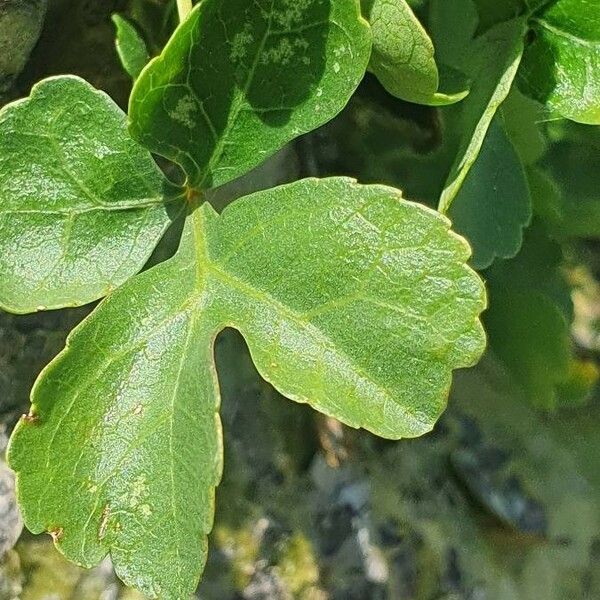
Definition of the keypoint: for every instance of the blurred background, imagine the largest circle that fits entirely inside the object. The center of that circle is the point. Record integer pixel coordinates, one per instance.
(500, 502)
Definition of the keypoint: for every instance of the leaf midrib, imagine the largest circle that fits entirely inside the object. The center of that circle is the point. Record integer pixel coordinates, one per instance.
(264, 298)
(240, 97)
(593, 44)
(112, 207)
(207, 267)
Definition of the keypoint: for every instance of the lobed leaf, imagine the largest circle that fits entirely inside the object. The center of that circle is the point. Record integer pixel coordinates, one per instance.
(131, 47)
(241, 78)
(349, 297)
(567, 189)
(368, 292)
(82, 206)
(126, 428)
(561, 67)
(521, 117)
(533, 337)
(403, 55)
(495, 58)
(493, 205)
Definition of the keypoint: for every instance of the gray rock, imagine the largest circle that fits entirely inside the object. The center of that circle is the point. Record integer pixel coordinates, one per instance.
(21, 23)
(11, 524)
(266, 585)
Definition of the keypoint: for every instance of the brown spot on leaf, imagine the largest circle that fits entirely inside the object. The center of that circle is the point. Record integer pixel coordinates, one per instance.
(30, 418)
(192, 195)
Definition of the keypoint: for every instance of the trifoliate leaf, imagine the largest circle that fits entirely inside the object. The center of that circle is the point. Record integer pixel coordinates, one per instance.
(131, 47)
(403, 55)
(496, 57)
(493, 205)
(349, 297)
(241, 78)
(82, 206)
(561, 67)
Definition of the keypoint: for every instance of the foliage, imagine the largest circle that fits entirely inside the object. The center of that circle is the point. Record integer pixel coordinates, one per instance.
(561, 66)
(403, 55)
(131, 47)
(351, 298)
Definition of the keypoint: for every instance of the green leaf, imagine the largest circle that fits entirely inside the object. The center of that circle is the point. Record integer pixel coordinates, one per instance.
(521, 117)
(452, 27)
(546, 198)
(349, 297)
(156, 21)
(131, 47)
(403, 55)
(239, 79)
(532, 339)
(126, 429)
(538, 266)
(82, 206)
(492, 12)
(579, 386)
(567, 190)
(495, 59)
(493, 205)
(561, 67)
(529, 316)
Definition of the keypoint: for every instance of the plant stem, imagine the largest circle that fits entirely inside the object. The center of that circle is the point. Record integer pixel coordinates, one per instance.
(184, 7)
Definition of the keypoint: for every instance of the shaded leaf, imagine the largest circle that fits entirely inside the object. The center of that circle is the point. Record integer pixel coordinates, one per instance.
(579, 384)
(561, 67)
(522, 117)
(496, 57)
(492, 12)
(568, 195)
(452, 27)
(349, 297)
(493, 205)
(131, 47)
(546, 198)
(82, 206)
(239, 79)
(538, 266)
(529, 318)
(530, 334)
